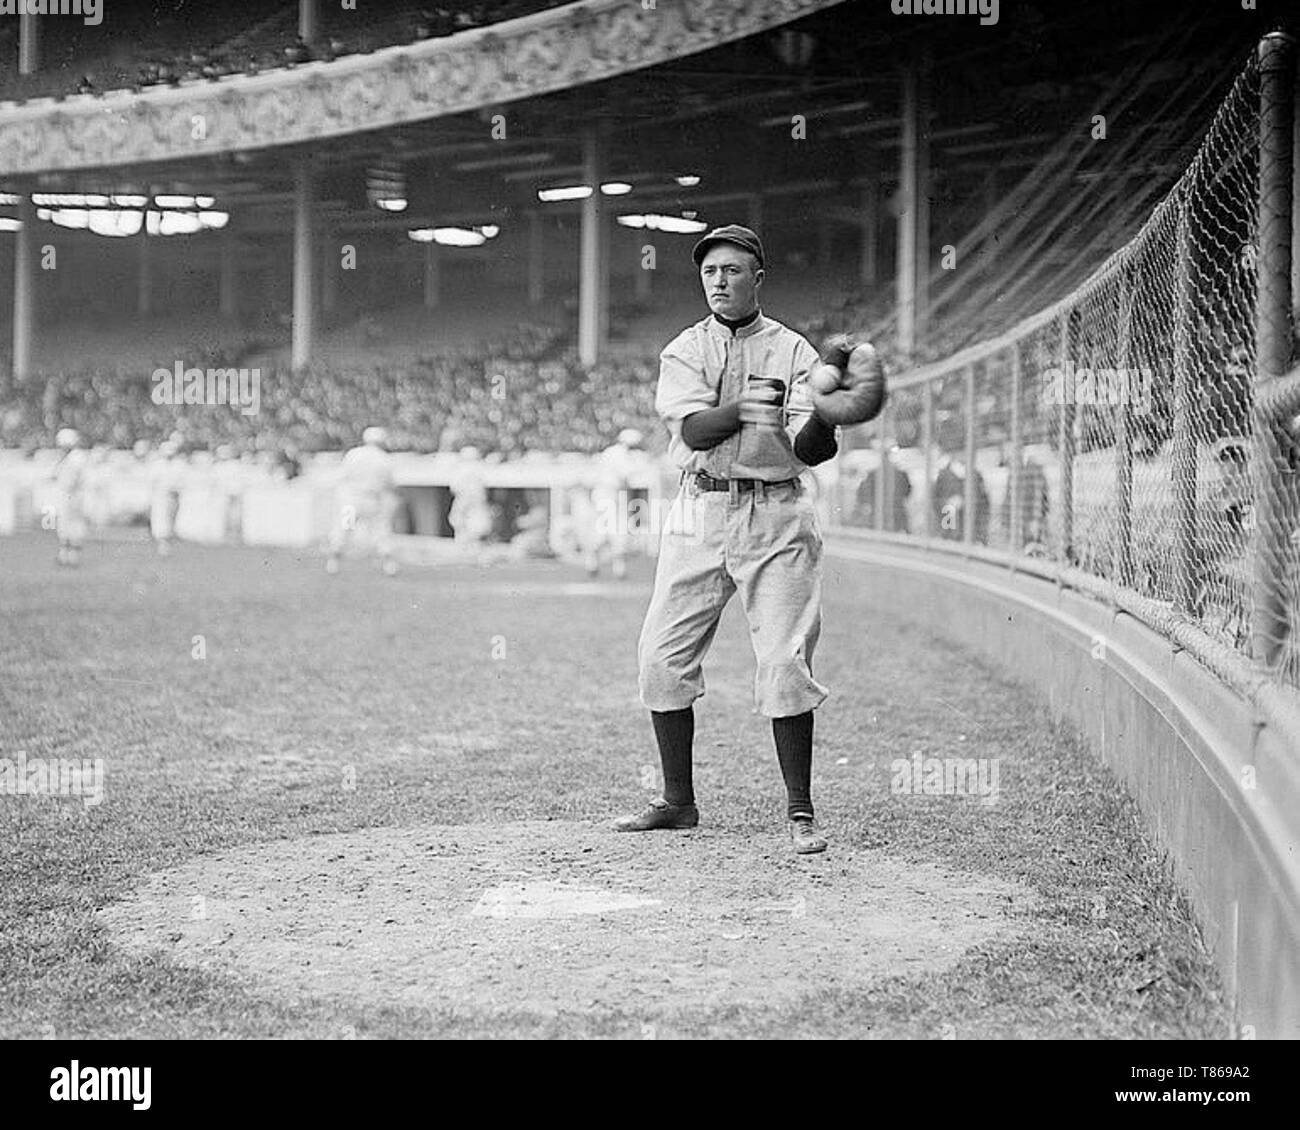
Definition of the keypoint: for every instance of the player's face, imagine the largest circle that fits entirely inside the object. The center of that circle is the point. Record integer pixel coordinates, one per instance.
(731, 277)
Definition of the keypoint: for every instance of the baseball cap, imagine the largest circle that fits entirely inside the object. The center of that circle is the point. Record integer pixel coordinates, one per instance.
(731, 233)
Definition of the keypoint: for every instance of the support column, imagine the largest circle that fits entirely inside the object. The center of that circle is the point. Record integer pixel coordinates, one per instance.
(591, 297)
(144, 276)
(905, 281)
(1124, 440)
(329, 272)
(1295, 201)
(923, 187)
(867, 261)
(1065, 440)
(1272, 480)
(1015, 491)
(1184, 448)
(927, 442)
(432, 276)
(536, 258)
(24, 291)
(227, 281)
(970, 497)
(304, 305)
(644, 278)
(884, 474)
(29, 43)
(606, 241)
(309, 20)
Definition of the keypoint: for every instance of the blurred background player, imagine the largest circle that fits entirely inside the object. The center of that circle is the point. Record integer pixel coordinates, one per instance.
(470, 514)
(367, 498)
(70, 478)
(166, 472)
(611, 497)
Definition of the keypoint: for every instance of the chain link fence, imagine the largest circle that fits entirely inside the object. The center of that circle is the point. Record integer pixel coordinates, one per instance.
(1138, 439)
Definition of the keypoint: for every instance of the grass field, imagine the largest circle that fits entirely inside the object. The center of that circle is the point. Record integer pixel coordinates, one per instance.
(494, 712)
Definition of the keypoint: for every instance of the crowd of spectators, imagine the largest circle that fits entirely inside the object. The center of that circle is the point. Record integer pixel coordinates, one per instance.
(175, 43)
(524, 392)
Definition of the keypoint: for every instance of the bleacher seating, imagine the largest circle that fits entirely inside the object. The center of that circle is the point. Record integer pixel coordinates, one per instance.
(183, 42)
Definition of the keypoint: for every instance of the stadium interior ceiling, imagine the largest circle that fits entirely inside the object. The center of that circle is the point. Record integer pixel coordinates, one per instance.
(1017, 178)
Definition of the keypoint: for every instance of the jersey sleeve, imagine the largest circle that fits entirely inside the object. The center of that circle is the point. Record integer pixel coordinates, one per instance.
(799, 404)
(684, 387)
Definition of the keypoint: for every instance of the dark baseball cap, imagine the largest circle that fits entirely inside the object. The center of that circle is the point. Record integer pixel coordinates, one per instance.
(733, 234)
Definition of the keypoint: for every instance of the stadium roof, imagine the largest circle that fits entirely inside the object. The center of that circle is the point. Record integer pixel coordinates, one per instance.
(1010, 128)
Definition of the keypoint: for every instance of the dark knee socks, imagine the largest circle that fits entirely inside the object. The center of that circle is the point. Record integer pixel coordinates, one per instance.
(794, 740)
(675, 733)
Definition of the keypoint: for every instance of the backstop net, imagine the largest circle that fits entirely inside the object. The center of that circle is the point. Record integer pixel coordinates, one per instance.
(1135, 439)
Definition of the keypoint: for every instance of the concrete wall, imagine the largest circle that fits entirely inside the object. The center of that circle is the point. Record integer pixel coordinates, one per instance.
(1217, 780)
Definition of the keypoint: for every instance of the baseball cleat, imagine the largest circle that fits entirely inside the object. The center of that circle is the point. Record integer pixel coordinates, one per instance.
(806, 836)
(659, 814)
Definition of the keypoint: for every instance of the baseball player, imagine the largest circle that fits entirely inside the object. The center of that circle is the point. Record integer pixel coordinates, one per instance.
(167, 475)
(367, 502)
(737, 394)
(70, 478)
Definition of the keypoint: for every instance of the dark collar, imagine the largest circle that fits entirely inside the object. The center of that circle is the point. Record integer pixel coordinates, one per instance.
(739, 323)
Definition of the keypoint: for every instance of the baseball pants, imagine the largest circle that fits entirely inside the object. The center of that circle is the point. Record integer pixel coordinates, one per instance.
(764, 544)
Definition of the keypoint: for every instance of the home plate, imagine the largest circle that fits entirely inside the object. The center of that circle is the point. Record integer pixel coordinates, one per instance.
(548, 899)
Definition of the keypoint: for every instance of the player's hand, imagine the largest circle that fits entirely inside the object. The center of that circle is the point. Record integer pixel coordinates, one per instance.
(762, 402)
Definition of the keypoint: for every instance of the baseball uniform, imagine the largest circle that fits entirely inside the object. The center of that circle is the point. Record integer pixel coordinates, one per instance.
(763, 542)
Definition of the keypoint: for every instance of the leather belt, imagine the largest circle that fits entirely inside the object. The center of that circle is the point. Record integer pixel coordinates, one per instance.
(708, 482)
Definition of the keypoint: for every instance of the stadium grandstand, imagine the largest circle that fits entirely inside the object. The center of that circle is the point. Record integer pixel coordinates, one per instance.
(471, 224)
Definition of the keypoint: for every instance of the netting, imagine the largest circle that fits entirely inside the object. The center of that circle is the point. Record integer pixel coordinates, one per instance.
(1135, 432)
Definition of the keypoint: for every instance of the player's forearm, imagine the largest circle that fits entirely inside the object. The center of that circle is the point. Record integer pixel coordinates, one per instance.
(815, 442)
(710, 426)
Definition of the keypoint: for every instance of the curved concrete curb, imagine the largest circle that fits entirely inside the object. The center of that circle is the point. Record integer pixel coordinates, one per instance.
(1217, 781)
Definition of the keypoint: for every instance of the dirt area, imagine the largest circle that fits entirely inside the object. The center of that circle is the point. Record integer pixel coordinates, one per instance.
(555, 915)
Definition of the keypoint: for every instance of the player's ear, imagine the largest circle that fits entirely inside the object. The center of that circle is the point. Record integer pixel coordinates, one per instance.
(759, 275)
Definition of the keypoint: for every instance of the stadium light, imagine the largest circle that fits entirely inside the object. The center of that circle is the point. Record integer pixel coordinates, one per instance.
(459, 237)
(118, 223)
(174, 201)
(421, 235)
(572, 192)
(616, 188)
(77, 219)
(10, 198)
(6, 224)
(490, 230)
(392, 204)
(129, 200)
(655, 222)
(215, 220)
(688, 180)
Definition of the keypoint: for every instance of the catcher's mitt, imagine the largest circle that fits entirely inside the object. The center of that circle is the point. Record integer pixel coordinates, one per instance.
(848, 387)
